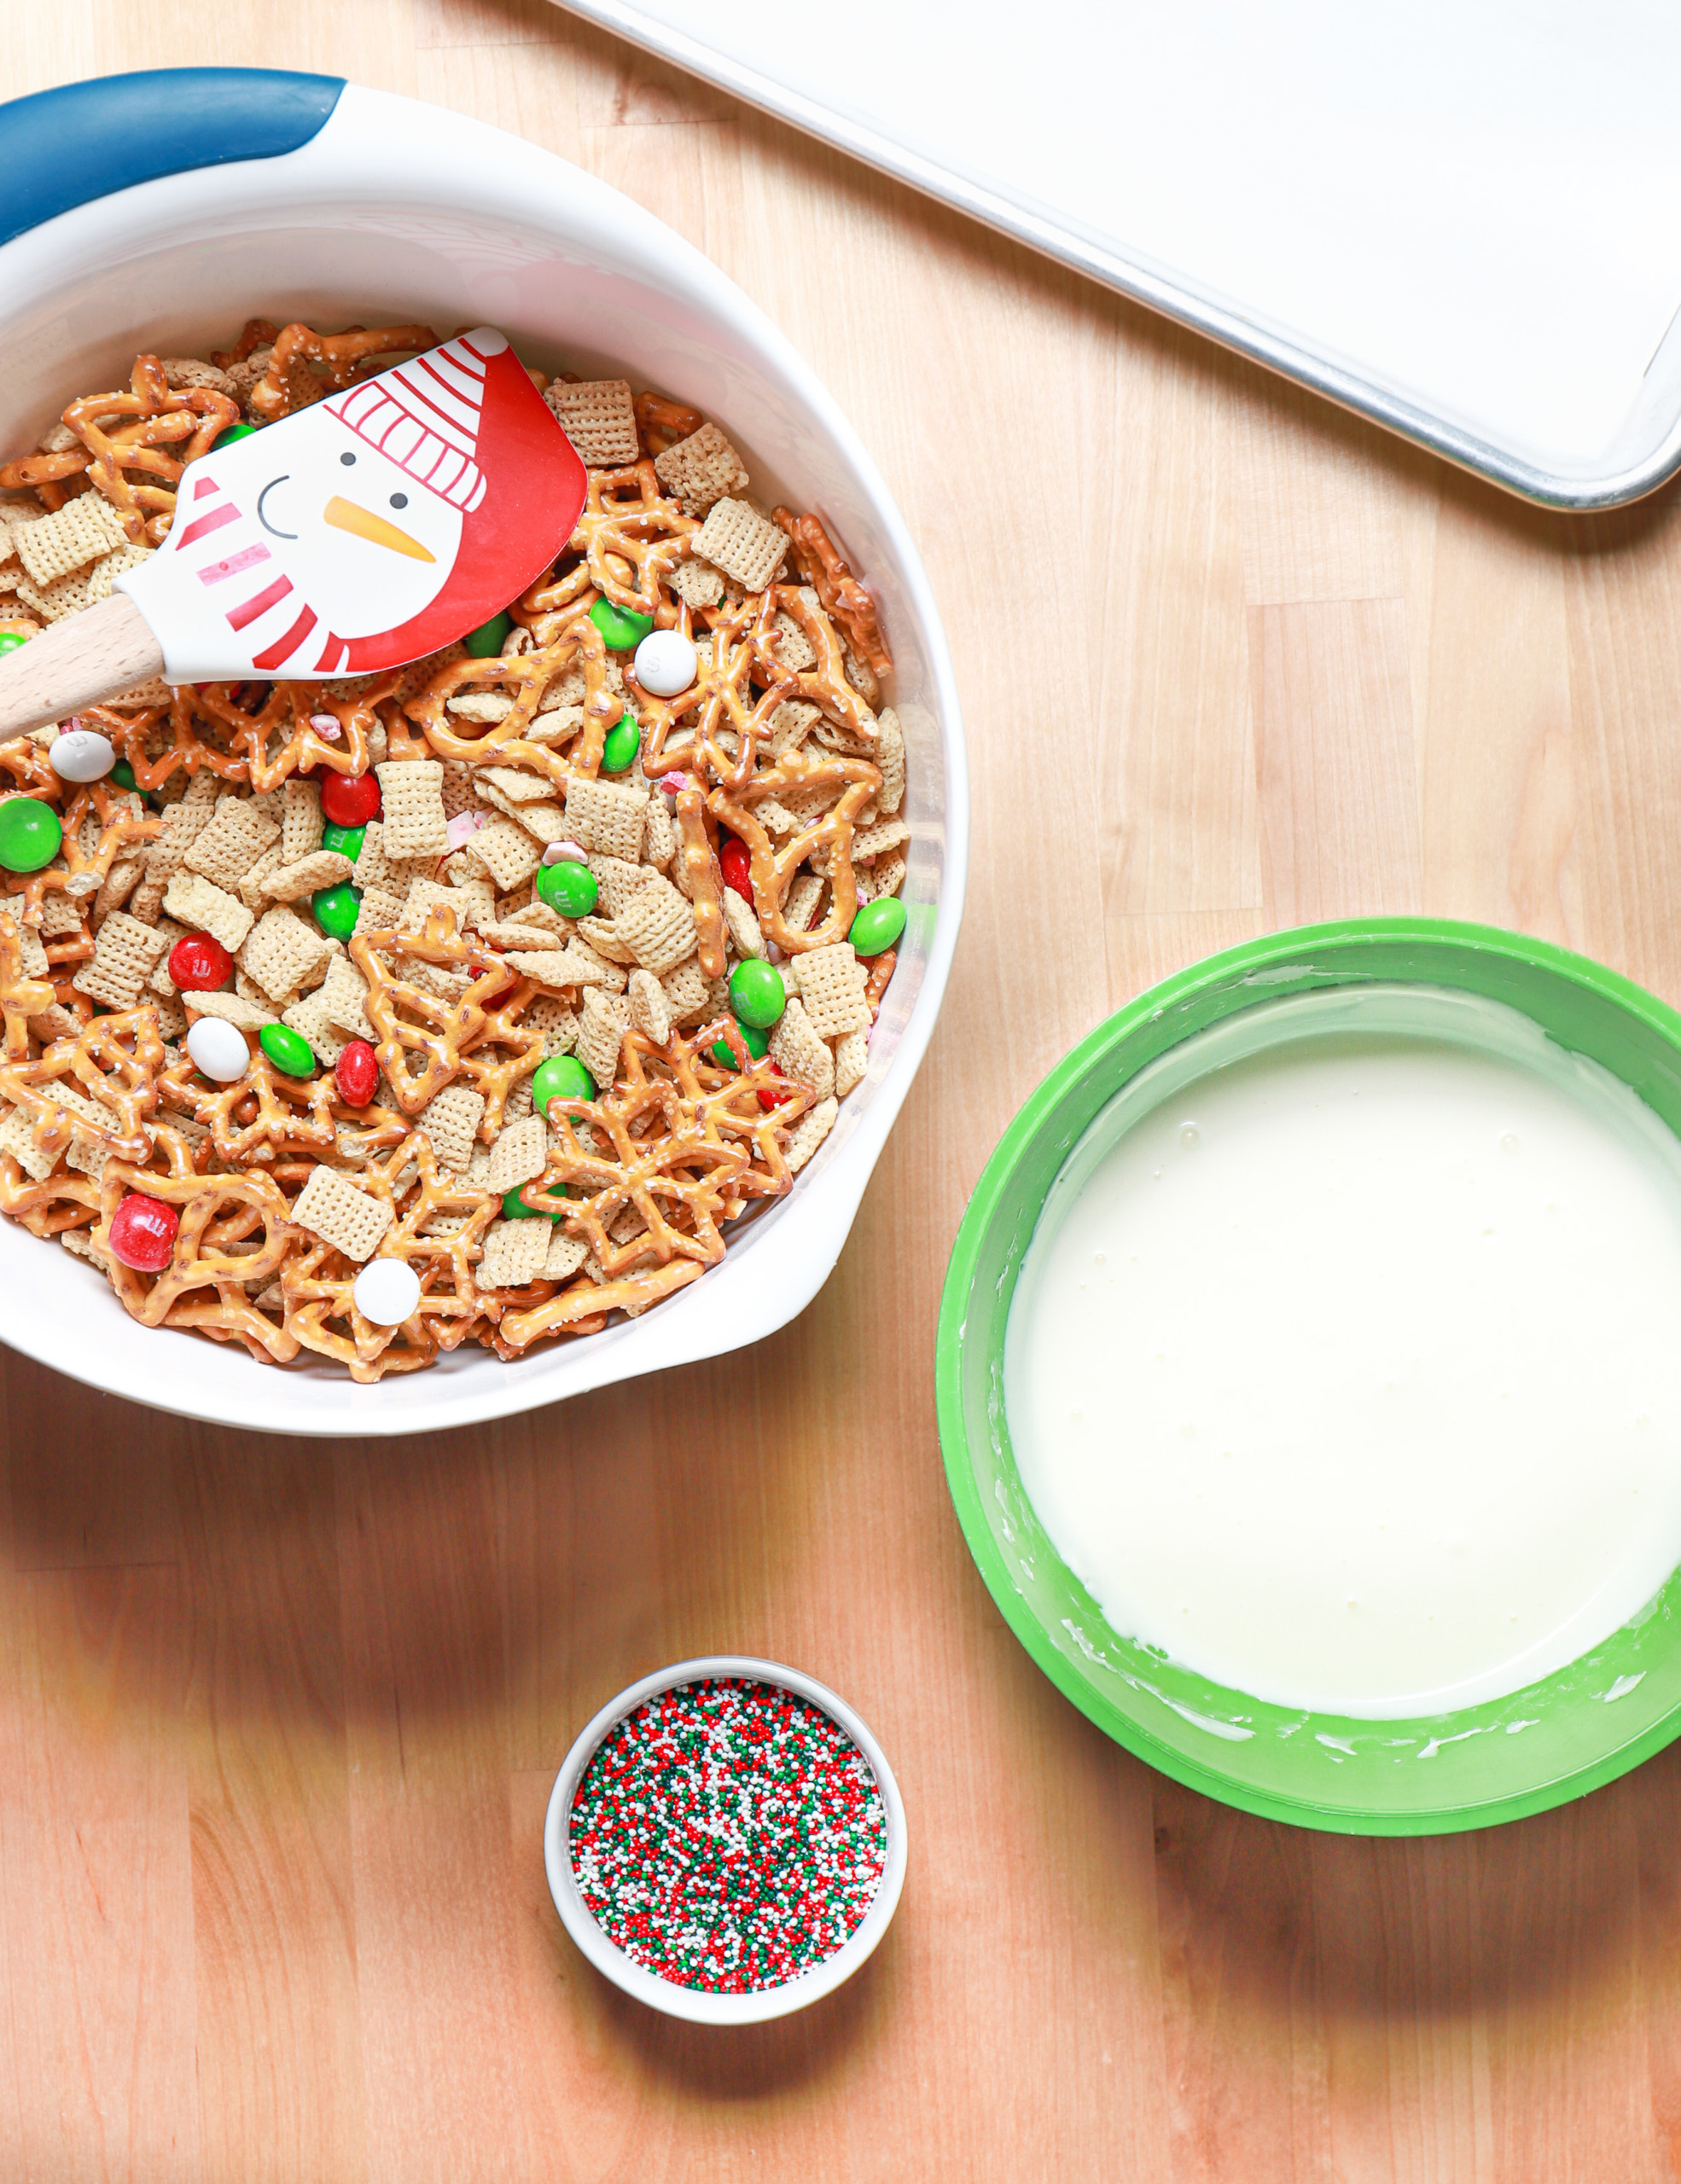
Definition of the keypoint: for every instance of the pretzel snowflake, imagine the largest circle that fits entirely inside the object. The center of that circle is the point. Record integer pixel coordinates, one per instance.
(287, 382)
(413, 1023)
(523, 677)
(118, 829)
(152, 429)
(318, 1285)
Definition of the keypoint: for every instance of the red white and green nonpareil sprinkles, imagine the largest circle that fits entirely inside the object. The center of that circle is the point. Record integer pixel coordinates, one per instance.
(728, 1835)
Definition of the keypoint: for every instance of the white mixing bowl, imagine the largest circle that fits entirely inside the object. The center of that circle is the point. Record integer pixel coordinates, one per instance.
(388, 210)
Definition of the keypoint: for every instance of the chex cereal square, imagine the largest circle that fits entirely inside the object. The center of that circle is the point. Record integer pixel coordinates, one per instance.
(81, 531)
(650, 1011)
(831, 985)
(514, 1254)
(411, 791)
(301, 820)
(743, 543)
(290, 883)
(799, 1053)
(311, 1018)
(237, 836)
(518, 1154)
(687, 993)
(701, 469)
(808, 1134)
(599, 417)
(606, 818)
(281, 953)
(124, 953)
(605, 1019)
(657, 926)
(507, 852)
(451, 1120)
(350, 1220)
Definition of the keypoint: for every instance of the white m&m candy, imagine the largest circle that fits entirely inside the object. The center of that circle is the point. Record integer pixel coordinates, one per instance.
(219, 1048)
(665, 663)
(386, 1291)
(81, 754)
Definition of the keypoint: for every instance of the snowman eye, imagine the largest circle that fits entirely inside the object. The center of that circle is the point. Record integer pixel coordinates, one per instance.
(346, 458)
(399, 500)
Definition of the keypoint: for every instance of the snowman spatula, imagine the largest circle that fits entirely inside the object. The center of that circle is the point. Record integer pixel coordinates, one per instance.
(359, 534)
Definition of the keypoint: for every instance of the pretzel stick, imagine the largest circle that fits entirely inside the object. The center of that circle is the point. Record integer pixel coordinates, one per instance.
(661, 420)
(20, 997)
(706, 882)
(635, 1290)
(819, 560)
(876, 984)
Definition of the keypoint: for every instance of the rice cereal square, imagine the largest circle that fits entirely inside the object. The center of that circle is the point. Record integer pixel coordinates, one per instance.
(411, 791)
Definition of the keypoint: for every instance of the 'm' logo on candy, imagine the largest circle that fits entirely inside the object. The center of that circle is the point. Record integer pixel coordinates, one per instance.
(368, 529)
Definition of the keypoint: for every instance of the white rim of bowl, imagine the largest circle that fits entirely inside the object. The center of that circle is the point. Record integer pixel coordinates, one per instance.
(696, 2003)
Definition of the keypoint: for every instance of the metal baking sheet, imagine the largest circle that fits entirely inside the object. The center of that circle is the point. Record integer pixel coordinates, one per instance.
(1456, 218)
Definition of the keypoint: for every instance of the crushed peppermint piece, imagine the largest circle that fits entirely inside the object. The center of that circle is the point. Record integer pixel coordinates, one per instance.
(728, 1835)
(463, 828)
(326, 727)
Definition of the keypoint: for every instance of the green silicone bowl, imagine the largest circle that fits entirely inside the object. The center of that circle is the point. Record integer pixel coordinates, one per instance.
(1558, 1738)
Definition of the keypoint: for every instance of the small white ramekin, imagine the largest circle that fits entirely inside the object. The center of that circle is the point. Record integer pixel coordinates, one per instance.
(691, 2002)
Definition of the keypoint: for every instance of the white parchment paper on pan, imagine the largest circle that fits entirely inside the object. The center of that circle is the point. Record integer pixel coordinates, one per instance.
(1458, 218)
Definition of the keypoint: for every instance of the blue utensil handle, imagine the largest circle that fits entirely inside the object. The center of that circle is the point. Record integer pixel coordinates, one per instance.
(65, 147)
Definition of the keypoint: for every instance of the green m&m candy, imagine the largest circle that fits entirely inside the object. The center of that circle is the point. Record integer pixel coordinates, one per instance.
(346, 840)
(123, 774)
(560, 1078)
(757, 994)
(234, 433)
(568, 888)
(753, 1039)
(10, 640)
(288, 1050)
(29, 834)
(488, 639)
(335, 909)
(623, 741)
(511, 1210)
(877, 926)
(621, 627)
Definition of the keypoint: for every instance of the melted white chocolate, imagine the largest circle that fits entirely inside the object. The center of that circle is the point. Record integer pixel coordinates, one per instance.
(1344, 1363)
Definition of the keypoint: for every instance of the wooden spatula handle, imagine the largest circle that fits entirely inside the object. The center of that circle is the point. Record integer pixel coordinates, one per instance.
(76, 662)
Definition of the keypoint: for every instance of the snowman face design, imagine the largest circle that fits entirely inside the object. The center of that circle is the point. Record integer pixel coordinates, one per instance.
(364, 532)
(287, 547)
(368, 545)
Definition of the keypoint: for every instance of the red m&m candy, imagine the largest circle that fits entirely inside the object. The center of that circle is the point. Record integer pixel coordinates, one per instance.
(142, 1232)
(357, 1071)
(350, 799)
(769, 1100)
(736, 865)
(199, 964)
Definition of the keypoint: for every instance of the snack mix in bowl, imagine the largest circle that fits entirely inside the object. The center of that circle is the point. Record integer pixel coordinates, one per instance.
(472, 1001)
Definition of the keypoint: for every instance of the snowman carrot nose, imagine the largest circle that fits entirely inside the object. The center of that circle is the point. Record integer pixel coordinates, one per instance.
(346, 515)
